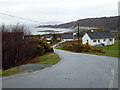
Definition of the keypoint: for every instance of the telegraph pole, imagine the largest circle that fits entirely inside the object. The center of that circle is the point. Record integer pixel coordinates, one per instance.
(78, 32)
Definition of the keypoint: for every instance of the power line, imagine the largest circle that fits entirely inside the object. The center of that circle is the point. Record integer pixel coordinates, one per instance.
(19, 17)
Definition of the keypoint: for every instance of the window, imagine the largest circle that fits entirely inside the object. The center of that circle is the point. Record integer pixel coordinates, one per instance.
(98, 40)
(104, 40)
(110, 39)
(94, 40)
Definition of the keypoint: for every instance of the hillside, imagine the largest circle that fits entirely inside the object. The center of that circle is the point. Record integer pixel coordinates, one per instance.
(107, 23)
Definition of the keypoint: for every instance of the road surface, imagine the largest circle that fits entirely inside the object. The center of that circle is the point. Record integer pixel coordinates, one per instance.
(75, 70)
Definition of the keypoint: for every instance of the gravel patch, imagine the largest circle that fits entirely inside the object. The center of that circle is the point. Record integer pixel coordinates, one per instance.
(33, 67)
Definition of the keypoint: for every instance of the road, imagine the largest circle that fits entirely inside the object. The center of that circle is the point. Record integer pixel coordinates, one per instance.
(75, 70)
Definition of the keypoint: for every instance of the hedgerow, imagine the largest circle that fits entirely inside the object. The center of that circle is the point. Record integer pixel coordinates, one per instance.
(78, 47)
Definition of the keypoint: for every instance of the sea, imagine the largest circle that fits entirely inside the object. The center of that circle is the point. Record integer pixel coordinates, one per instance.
(40, 31)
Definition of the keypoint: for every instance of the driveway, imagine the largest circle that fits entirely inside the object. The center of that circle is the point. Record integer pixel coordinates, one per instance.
(75, 70)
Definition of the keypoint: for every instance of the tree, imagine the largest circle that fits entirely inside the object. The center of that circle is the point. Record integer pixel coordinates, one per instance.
(99, 29)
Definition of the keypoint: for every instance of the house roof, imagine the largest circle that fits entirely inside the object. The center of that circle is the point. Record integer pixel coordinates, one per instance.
(47, 36)
(100, 35)
(67, 36)
(80, 35)
(118, 35)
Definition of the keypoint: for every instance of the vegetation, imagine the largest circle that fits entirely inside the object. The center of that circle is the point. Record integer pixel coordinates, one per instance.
(112, 50)
(78, 47)
(99, 29)
(55, 39)
(49, 58)
(11, 71)
(17, 50)
(107, 23)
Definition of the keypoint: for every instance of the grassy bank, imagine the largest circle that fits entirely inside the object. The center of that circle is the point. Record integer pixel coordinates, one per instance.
(49, 59)
(11, 71)
(112, 50)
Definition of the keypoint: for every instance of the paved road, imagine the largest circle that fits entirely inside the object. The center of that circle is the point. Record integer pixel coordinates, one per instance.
(75, 70)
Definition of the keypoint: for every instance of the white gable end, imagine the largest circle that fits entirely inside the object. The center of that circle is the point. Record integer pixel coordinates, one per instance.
(86, 39)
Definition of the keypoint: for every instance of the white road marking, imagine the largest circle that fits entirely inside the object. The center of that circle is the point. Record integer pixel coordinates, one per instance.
(112, 79)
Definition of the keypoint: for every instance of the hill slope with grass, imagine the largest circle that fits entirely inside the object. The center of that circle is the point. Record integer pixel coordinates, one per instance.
(107, 23)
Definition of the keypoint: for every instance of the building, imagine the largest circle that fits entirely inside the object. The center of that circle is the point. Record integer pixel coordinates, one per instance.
(80, 35)
(118, 36)
(98, 38)
(67, 37)
(48, 37)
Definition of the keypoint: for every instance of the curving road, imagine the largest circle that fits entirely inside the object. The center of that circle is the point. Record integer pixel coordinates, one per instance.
(75, 70)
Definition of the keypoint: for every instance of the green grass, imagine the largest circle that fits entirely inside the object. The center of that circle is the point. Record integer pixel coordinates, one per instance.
(48, 59)
(112, 51)
(10, 71)
(58, 47)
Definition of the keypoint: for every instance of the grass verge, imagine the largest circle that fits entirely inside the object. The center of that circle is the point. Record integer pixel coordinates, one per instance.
(49, 58)
(112, 50)
(11, 71)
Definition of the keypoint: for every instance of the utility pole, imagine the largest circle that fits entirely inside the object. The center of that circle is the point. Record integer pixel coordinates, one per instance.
(78, 32)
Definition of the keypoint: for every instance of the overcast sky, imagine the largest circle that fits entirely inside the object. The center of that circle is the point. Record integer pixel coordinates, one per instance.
(56, 10)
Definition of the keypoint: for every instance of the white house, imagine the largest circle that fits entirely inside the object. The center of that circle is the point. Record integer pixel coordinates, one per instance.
(67, 37)
(48, 38)
(97, 38)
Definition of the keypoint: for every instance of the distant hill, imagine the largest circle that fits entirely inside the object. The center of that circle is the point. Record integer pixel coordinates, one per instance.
(107, 23)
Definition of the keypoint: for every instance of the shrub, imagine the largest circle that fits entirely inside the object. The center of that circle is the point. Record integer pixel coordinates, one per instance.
(44, 44)
(78, 47)
(51, 50)
(39, 50)
(99, 50)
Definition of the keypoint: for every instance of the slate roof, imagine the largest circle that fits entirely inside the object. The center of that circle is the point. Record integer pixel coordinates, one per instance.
(118, 35)
(100, 35)
(47, 36)
(67, 36)
(80, 35)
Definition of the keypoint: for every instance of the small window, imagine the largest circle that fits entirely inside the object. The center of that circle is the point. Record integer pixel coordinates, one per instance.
(104, 40)
(98, 40)
(110, 39)
(94, 40)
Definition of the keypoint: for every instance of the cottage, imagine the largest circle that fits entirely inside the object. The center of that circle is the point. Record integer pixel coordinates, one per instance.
(80, 35)
(48, 37)
(98, 38)
(67, 37)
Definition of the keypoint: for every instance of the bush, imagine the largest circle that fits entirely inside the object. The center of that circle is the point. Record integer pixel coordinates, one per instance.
(99, 50)
(78, 47)
(39, 50)
(43, 43)
(51, 50)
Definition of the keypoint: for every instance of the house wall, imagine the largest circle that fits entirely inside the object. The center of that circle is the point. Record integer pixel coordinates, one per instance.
(67, 39)
(85, 38)
(48, 38)
(106, 42)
